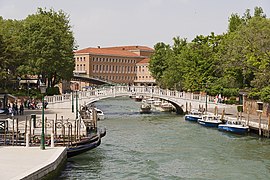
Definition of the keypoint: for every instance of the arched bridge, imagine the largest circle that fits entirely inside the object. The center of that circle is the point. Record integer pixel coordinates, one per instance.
(181, 100)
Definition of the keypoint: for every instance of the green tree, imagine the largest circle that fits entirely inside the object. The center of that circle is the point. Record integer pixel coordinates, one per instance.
(159, 60)
(49, 44)
(11, 51)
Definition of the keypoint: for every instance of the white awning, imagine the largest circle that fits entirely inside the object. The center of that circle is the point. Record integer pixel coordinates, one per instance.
(30, 81)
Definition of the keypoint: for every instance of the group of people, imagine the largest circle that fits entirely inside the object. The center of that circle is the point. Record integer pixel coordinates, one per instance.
(15, 109)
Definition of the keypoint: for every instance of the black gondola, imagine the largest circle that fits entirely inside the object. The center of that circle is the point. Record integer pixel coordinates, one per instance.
(76, 150)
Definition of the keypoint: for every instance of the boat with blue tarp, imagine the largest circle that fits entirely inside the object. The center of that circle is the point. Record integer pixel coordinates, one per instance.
(193, 116)
(234, 125)
(210, 120)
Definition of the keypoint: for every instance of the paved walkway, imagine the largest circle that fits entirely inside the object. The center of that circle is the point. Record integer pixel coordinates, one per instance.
(17, 162)
(20, 162)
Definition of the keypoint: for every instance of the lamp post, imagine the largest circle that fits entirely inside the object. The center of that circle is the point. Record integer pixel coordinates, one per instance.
(43, 91)
(28, 86)
(76, 95)
(72, 102)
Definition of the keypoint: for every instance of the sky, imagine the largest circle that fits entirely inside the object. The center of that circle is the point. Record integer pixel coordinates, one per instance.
(137, 22)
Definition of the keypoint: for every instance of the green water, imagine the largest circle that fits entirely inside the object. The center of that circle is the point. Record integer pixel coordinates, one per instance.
(165, 146)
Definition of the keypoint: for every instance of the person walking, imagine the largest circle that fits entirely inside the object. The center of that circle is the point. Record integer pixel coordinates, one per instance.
(21, 109)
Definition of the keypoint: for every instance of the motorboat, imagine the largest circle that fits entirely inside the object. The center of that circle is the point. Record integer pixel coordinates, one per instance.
(138, 98)
(145, 108)
(234, 125)
(210, 120)
(193, 116)
(166, 107)
(100, 114)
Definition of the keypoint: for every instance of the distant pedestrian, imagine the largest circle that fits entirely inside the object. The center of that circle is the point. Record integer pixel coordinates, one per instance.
(16, 108)
(10, 111)
(21, 109)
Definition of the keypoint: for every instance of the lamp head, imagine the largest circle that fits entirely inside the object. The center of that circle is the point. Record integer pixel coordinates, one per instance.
(43, 88)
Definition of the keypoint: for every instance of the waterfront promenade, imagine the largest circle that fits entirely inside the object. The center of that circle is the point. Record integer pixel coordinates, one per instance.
(29, 162)
(20, 162)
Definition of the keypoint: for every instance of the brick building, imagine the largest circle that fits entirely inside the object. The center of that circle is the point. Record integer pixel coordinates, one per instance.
(115, 64)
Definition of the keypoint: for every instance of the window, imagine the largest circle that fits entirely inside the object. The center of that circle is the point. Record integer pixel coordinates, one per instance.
(84, 67)
(83, 58)
(116, 69)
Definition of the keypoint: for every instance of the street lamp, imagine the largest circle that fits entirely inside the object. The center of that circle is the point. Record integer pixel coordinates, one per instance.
(76, 95)
(72, 101)
(42, 87)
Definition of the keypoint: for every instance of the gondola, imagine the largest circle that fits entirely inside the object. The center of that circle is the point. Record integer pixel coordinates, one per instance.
(86, 144)
(76, 150)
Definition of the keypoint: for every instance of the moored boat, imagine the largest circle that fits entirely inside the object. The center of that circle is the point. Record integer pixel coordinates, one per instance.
(234, 126)
(166, 107)
(145, 108)
(78, 149)
(193, 116)
(86, 144)
(210, 120)
(138, 98)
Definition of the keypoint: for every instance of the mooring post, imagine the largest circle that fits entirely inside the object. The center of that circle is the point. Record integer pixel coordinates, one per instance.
(248, 110)
(17, 130)
(260, 121)
(27, 140)
(25, 128)
(52, 140)
(13, 133)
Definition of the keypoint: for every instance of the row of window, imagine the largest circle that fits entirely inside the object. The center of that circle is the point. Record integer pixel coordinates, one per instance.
(114, 69)
(101, 59)
(110, 69)
(79, 58)
(120, 77)
(145, 77)
(115, 77)
(141, 68)
(80, 67)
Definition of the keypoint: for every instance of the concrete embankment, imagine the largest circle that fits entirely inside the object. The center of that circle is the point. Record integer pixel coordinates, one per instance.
(31, 163)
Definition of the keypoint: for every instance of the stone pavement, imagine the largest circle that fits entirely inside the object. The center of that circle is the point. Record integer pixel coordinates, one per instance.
(32, 162)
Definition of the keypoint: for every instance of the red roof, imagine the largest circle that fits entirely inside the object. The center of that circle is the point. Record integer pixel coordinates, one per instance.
(144, 61)
(130, 48)
(107, 51)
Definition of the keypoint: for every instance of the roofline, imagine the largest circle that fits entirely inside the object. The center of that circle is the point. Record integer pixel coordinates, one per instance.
(109, 55)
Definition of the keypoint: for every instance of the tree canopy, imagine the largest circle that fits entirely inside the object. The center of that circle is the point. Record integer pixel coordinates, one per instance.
(42, 45)
(237, 59)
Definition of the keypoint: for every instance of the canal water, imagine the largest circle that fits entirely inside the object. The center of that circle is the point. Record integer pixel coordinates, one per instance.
(165, 146)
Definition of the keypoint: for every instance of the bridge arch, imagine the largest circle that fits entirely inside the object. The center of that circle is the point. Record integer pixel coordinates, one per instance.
(179, 99)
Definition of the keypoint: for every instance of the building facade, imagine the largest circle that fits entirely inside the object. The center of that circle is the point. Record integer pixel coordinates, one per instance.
(143, 76)
(114, 64)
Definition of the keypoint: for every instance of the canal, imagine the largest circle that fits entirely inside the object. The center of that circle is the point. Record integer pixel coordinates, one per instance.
(165, 146)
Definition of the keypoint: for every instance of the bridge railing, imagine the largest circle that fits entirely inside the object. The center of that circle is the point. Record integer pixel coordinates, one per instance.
(113, 91)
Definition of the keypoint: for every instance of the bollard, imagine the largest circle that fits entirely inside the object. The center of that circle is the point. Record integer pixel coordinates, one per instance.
(52, 140)
(27, 140)
(33, 117)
